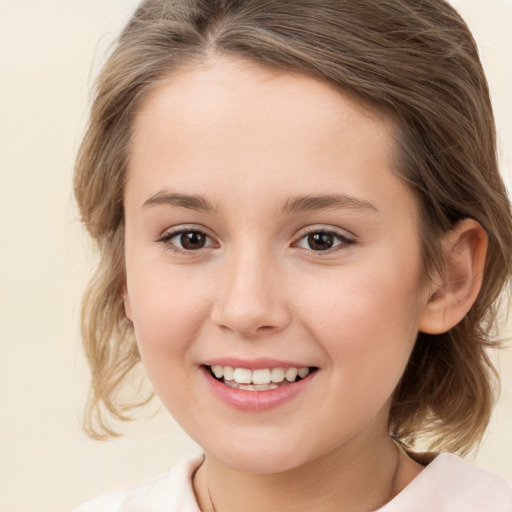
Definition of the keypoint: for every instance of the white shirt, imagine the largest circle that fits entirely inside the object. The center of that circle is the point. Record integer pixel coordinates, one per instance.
(447, 484)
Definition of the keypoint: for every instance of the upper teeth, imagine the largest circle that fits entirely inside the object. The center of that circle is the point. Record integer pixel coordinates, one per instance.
(260, 376)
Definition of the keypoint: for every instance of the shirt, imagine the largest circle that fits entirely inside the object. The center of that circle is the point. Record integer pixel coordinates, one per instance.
(447, 484)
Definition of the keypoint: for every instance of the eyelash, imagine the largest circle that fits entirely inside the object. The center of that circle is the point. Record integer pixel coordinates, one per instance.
(166, 239)
(344, 240)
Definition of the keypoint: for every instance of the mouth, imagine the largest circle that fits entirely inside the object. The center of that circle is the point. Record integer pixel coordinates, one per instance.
(261, 379)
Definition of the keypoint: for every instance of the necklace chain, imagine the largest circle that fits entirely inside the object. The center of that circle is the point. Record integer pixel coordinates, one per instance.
(210, 496)
(391, 490)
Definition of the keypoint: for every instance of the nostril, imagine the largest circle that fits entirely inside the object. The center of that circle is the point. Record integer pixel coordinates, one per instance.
(247, 329)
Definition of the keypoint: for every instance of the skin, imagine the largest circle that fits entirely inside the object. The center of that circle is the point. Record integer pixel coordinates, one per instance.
(248, 140)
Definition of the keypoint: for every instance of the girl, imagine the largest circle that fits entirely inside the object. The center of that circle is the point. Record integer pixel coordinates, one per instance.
(303, 237)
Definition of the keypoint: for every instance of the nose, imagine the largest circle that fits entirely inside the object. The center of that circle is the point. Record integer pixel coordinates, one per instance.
(251, 296)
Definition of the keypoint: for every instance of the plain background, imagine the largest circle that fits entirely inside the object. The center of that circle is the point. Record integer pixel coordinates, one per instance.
(50, 50)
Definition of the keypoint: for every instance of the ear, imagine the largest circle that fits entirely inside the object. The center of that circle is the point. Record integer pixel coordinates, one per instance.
(126, 301)
(451, 297)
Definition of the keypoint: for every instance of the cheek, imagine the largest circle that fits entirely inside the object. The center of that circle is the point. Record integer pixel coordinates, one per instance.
(167, 311)
(369, 315)
(367, 329)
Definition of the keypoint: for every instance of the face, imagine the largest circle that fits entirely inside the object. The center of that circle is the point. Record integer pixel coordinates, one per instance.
(273, 264)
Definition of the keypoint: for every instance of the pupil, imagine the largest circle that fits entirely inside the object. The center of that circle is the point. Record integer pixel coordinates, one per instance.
(320, 241)
(192, 240)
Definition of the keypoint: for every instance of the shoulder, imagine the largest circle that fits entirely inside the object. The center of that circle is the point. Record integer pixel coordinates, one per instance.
(168, 492)
(450, 484)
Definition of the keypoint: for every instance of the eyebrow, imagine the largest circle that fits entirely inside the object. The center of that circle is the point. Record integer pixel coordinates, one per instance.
(299, 204)
(192, 202)
(308, 203)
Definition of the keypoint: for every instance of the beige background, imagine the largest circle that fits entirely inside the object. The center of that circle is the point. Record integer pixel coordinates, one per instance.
(47, 50)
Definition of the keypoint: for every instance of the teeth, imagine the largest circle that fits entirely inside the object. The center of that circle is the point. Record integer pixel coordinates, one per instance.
(242, 376)
(277, 375)
(229, 373)
(258, 379)
(261, 377)
(303, 372)
(252, 387)
(291, 374)
(218, 371)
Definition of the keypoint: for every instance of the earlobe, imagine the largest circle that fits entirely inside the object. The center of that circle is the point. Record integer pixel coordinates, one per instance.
(126, 302)
(449, 300)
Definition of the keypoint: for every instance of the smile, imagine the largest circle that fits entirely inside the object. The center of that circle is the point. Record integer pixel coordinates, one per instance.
(263, 379)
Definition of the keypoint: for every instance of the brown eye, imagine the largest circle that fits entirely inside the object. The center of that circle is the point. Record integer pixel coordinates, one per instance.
(321, 241)
(186, 241)
(192, 240)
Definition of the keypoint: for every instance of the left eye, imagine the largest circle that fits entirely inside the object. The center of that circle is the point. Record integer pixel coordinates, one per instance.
(189, 240)
(323, 240)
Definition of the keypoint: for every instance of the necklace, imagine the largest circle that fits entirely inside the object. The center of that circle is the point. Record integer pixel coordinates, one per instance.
(211, 500)
(391, 489)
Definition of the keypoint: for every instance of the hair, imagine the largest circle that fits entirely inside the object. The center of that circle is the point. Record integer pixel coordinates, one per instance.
(412, 60)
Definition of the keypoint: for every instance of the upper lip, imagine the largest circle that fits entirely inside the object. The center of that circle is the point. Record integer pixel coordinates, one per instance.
(253, 364)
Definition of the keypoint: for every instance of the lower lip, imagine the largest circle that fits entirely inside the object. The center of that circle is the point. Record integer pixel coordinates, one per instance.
(254, 401)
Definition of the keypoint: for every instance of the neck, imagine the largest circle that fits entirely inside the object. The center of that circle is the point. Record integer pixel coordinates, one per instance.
(340, 480)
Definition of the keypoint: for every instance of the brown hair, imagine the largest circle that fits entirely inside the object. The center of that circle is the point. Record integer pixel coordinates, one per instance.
(413, 60)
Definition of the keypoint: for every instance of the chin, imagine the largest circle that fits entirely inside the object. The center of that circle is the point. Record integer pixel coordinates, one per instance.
(259, 458)
(261, 464)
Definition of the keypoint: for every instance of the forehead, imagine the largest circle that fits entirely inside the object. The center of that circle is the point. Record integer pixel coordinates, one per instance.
(231, 121)
(225, 89)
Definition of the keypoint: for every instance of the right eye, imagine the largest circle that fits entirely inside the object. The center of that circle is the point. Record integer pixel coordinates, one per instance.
(322, 240)
(186, 240)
